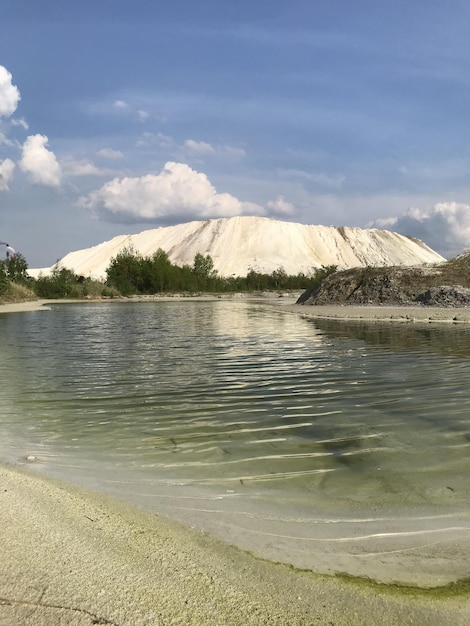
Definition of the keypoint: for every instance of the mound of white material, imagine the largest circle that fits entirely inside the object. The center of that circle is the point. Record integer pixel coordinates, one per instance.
(238, 244)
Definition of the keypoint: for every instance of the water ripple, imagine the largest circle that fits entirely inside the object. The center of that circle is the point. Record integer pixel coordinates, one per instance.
(231, 396)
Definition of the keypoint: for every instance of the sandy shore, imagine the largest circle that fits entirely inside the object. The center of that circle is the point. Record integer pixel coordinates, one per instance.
(18, 307)
(383, 313)
(74, 558)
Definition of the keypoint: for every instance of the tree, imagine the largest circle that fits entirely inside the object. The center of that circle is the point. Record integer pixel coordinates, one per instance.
(203, 269)
(162, 271)
(255, 281)
(279, 278)
(125, 272)
(203, 266)
(16, 268)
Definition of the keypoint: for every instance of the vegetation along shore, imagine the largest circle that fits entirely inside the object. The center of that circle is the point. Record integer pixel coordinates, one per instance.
(129, 274)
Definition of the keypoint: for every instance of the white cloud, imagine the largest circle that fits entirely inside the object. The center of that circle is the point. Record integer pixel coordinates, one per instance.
(156, 139)
(232, 151)
(9, 93)
(84, 167)
(4, 141)
(143, 115)
(281, 208)
(40, 163)
(20, 122)
(177, 193)
(318, 179)
(199, 147)
(445, 226)
(189, 148)
(109, 153)
(6, 173)
(121, 105)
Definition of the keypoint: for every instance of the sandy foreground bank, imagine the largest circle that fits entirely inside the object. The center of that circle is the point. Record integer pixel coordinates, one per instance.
(69, 557)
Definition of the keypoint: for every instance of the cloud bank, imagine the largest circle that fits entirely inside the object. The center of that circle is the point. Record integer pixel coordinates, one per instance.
(177, 193)
(445, 226)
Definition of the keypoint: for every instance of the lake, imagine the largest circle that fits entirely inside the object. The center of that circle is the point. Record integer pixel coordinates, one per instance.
(334, 446)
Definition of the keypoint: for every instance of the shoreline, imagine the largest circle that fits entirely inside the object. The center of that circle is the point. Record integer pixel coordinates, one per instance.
(75, 557)
(363, 313)
(19, 307)
(372, 313)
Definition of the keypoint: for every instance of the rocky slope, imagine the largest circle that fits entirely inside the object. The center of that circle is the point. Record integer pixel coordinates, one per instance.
(239, 244)
(446, 285)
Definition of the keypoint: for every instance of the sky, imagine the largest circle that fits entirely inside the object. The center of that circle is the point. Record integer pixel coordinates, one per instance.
(119, 116)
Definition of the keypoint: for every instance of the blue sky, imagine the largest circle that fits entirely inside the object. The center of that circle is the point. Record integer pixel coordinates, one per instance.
(120, 116)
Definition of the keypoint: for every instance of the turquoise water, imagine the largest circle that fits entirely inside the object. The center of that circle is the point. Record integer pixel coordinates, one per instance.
(256, 424)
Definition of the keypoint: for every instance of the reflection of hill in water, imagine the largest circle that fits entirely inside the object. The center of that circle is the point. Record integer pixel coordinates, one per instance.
(452, 340)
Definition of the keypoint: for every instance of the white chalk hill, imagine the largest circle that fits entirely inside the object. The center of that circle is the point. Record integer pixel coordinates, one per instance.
(240, 244)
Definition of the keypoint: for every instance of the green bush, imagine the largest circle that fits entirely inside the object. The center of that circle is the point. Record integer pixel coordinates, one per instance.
(62, 283)
(17, 269)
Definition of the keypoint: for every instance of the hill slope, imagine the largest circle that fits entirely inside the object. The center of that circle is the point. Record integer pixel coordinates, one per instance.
(238, 244)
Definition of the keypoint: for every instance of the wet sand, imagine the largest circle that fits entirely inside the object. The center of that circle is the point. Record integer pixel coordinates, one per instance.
(18, 307)
(76, 558)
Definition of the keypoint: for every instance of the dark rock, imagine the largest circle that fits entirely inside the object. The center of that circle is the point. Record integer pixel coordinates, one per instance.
(444, 285)
(445, 296)
(362, 286)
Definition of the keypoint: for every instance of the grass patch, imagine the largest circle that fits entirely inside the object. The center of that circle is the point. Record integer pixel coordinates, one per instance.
(17, 293)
